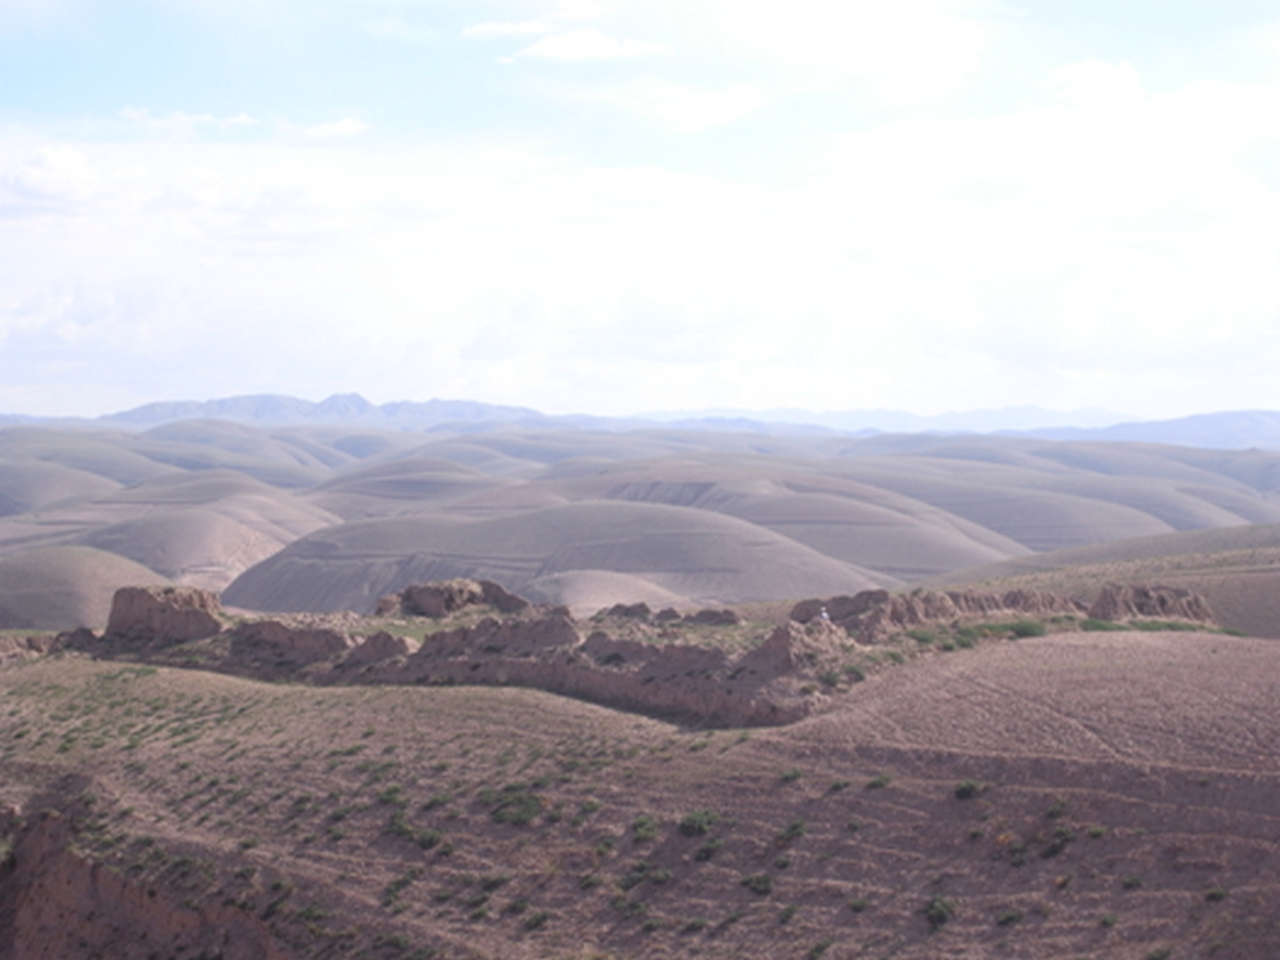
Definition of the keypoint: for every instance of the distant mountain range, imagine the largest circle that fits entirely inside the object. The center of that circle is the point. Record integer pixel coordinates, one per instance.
(1225, 430)
(1233, 430)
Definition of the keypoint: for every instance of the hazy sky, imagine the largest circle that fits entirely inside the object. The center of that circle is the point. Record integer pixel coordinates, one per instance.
(617, 206)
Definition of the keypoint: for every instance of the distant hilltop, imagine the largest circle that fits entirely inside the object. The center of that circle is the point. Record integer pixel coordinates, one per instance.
(1241, 429)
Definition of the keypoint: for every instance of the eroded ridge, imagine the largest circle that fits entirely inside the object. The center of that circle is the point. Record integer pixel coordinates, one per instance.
(710, 667)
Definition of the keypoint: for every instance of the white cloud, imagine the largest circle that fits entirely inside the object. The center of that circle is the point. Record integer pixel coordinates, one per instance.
(1265, 38)
(906, 52)
(181, 124)
(337, 129)
(1110, 243)
(587, 44)
(397, 28)
(679, 107)
(506, 28)
(1098, 84)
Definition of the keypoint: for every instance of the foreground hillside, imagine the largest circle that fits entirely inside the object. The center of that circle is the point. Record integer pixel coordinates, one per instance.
(1096, 795)
(323, 518)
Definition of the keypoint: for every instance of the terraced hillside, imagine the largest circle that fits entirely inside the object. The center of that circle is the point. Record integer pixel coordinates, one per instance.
(1087, 795)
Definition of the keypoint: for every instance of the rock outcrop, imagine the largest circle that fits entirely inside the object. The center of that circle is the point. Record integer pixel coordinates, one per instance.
(714, 618)
(164, 614)
(630, 611)
(1122, 602)
(382, 646)
(676, 680)
(872, 616)
(631, 658)
(442, 597)
(281, 643)
(22, 648)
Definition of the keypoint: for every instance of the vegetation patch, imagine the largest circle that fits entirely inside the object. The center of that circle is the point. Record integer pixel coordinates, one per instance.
(760, 883)
(698, 823)
(938, 911)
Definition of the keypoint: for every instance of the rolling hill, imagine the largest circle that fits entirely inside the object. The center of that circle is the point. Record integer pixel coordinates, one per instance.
(682, 516)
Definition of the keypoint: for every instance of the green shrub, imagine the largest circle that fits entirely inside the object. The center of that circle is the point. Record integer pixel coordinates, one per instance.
(854, 672)
(1008, 918)
(1216, 895)
(644, 828)
(938, 911)
(922, 636)
(858, 904)
(516, 806)
(1028, 628)
(1062, 836)
(1131, 883)
(698, 823)
(967, 789)
(708, 849)
(792, 831)
(879, 782)
(818, 949)
(760, 883)
(634, 876)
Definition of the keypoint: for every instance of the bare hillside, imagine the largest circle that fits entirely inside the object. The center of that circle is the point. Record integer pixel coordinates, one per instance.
(1084, 795)
(1236, 568)
(320, 517)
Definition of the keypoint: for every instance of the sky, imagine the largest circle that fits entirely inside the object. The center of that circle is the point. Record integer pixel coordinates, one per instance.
(608, 207)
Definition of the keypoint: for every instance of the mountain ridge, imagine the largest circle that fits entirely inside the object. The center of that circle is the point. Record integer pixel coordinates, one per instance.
(1228, 429)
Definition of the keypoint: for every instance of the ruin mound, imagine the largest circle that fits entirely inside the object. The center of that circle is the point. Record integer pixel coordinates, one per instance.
(164, 614)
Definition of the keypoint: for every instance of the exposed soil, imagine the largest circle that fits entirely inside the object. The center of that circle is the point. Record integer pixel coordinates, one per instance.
(1075, 795)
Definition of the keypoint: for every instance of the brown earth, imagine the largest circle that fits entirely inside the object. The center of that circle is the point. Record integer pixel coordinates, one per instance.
(1103, 795)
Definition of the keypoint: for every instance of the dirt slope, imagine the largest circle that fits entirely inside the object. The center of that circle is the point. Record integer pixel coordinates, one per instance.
(691, 553)
(1035, 799)
(1236, 568)
(62, 588)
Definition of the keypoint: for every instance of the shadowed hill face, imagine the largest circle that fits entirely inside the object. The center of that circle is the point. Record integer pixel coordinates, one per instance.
(577, 513)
